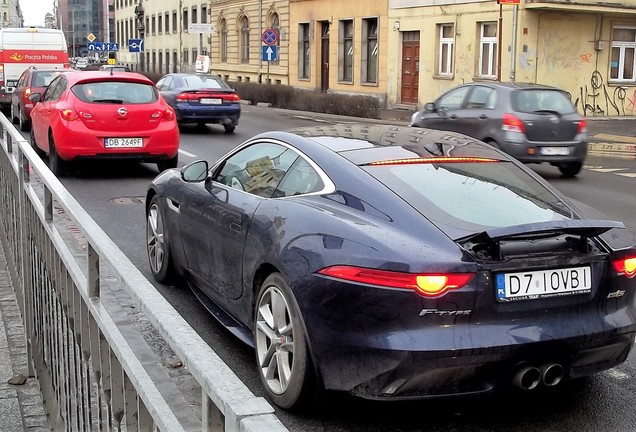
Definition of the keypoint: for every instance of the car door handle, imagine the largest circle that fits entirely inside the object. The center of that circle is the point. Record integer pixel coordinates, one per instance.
(483, 117)
(235, 226)
(452, 116)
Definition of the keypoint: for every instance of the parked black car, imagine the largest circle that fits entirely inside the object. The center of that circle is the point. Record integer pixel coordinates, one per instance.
(533, 123)
(394, 263)
(201, 98)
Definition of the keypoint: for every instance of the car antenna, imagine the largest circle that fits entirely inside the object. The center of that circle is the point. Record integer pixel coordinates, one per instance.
(111, 71)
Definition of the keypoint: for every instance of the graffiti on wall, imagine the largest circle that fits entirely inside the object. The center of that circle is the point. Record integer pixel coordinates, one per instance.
(598, 100)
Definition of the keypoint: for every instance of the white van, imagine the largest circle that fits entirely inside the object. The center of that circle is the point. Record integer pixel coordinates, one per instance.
(24, 47)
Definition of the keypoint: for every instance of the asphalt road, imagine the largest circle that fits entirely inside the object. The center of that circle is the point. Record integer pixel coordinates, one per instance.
(113, 195)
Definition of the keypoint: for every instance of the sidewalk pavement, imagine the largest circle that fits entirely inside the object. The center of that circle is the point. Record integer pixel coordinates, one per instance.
(21, 404)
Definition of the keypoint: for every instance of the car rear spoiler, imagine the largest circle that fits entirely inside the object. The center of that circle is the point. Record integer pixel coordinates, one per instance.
(584, 228)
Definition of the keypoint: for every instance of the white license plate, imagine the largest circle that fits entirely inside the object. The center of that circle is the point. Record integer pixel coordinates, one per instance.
(211, 101)
(555, 151)
(123, 142)
(545, 283)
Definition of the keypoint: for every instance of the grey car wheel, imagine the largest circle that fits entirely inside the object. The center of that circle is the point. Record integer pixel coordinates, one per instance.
(158, 245)
(281, 347)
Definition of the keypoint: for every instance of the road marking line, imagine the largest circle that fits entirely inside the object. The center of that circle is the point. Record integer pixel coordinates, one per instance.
(614, 373)
(185, 153)
(605, 170)
(632, 175)
(614, 138)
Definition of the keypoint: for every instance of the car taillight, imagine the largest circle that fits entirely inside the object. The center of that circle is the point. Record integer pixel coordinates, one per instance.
(167, 114)
(233, 97)
(427, 285)
(582, 126)
(69, 115)
(185, 96)
(512, 123)
(625, 266)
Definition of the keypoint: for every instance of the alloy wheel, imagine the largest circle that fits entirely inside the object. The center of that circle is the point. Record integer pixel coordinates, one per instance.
(155, 239)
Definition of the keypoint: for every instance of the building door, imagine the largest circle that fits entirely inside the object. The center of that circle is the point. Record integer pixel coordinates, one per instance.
(324, 56)
(410, 67)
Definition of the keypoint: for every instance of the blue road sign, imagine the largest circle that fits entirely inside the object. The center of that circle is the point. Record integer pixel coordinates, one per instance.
(270, 53)
(102, 46)
(136, 45)
(270, 36)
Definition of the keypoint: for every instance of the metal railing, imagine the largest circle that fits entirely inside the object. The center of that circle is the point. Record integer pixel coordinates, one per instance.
(62, 266)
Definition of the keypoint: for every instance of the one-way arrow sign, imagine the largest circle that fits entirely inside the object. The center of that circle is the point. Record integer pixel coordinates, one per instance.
(270, 53)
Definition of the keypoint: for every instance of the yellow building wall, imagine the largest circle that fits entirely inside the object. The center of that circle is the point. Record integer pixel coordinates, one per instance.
(315, 11)
(257, 12)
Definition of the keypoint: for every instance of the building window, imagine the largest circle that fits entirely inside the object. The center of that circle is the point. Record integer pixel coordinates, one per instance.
(245, 39)
(204, 14)
(195, 54)
(153, 27)
(223, 29)
(194, 15)
(147, 28)
(622, 61)
(185, 56)
(370, 50)
(174, 22)
(446, 44)
(160, 23)
(345, 52)
(185, 19)
(167, 22)
(160, 62)
(304, 50)
(488, 51)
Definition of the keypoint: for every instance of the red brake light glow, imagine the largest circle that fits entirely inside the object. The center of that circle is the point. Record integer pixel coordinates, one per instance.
(512, 123)
(582, 126)
(167, 114)
(436, 160)
(625, 266)
(427, 285)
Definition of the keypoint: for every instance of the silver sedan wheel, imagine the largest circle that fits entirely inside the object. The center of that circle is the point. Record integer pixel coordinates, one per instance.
(155, 239)
(275, 340)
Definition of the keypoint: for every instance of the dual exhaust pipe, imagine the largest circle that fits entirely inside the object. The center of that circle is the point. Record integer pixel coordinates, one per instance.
(529, 377)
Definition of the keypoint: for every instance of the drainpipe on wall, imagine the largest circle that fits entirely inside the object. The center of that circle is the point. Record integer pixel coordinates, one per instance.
(260, 32)
(513, 44)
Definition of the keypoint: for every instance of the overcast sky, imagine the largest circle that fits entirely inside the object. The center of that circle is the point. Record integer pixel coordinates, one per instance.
(34, 11)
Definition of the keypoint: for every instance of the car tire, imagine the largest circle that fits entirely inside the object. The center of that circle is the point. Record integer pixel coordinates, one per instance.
(570, 169)
(229, 128)
(285, 351)
(57, 165)
(37, 149)
(168, 163)
(22, 122)
(158, 245)
(14, 118)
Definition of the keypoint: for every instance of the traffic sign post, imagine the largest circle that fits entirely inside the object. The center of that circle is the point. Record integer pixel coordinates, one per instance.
(136, 45)
(102, 46)
(270, 53)
(270, 36)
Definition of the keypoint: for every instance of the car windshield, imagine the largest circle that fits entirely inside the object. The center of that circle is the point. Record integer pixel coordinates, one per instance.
(115, 92)
(205, 82)
(542, 101)
(466, 198)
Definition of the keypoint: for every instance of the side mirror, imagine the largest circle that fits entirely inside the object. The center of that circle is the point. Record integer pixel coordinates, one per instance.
(430, 107)
(195, 172)
(35, 97)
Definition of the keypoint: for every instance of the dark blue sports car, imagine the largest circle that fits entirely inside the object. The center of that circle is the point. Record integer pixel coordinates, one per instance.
(394, 263)
(201, 98)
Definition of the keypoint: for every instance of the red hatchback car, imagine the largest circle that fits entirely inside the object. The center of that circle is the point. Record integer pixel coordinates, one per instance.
(99, 115)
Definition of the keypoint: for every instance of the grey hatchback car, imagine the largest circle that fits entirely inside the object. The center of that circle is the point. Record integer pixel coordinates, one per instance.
(531, 122)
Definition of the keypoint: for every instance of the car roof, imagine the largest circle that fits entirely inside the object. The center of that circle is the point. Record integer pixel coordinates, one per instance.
(514, 85)
(365, 143)
(78, 77)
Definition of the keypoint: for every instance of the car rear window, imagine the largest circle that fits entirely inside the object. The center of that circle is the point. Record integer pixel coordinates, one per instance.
(43, 79)
(205, 82)
(115, 92)
(542, 101)
(466, 198)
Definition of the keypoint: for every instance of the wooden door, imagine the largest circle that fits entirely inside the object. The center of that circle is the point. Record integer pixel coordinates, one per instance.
(410, 69)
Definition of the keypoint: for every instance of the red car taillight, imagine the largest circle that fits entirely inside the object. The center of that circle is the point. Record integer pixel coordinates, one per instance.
(167, 114)
(512, 123)
(227, 97)
(582, 126)
(625, 266)
(186, 97)
(427, 285)
(69, 115)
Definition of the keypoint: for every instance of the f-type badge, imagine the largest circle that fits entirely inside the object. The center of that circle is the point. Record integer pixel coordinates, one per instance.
(441, 313)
